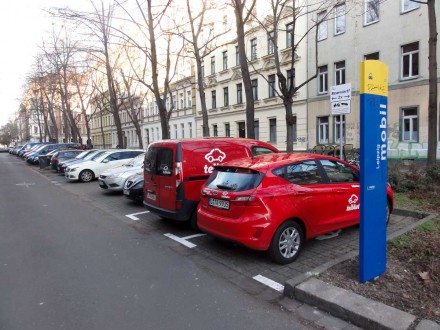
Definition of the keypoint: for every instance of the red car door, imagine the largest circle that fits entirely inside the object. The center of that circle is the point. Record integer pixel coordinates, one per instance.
(344, 181)
(311, 196)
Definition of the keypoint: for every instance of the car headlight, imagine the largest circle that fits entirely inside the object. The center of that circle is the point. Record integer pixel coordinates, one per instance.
(73, 169)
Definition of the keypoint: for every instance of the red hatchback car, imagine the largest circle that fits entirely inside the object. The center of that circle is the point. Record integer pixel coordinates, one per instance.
(275, 202)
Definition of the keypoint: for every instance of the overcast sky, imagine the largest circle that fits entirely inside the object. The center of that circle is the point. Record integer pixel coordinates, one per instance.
(22, 25)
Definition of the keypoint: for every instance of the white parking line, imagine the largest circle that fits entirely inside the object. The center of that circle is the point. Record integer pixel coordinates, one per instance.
(194, 236)
(268, 282)
(133, 216)
(181, 240)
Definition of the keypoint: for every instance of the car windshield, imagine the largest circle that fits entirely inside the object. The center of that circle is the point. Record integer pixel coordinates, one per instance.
(136, 161)
(95, 156)
(234, 179)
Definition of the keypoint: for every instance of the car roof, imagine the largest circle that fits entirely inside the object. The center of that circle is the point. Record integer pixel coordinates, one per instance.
(263, 162)
(193, 143)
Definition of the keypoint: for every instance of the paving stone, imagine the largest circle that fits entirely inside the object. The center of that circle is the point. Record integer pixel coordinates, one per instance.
(427, 325)
(332, 323)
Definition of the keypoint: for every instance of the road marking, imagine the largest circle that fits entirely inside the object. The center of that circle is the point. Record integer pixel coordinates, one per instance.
(25, 184)
(194, 236)
(268, 282)
(133, 216)
(183, 240)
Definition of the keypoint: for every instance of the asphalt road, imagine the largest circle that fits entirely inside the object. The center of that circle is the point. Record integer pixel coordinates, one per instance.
(72, 261)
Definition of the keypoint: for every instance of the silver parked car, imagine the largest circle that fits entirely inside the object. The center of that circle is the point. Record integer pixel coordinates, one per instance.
(115, 177)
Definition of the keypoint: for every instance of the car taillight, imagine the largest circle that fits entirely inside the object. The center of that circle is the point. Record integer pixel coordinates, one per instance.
(253, 200)
(179, 173)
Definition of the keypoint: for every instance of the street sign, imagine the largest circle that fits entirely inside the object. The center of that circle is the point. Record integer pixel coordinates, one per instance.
(340, 107)
(373, 164)
(340, 93)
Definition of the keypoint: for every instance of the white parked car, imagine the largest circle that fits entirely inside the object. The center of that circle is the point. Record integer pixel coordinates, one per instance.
(115, 177)
(89, 170)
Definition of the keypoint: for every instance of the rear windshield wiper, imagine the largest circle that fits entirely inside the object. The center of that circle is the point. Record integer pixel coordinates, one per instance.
(220, 186)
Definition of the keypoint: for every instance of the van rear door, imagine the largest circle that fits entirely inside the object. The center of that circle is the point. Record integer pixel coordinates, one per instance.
(159, 179)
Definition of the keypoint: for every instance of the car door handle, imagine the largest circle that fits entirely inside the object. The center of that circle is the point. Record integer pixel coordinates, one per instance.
(342, 190)
(155, 184)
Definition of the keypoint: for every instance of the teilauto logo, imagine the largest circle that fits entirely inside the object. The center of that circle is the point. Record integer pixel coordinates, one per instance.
(215, 156)
(352, 201)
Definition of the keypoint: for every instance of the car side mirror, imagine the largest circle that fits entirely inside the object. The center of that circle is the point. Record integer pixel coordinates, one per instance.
(105, 161)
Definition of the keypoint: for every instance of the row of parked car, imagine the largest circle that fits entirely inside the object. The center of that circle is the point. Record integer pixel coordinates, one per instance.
(241, 190)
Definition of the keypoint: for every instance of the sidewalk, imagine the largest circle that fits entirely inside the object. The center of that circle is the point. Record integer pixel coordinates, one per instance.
(346, 305)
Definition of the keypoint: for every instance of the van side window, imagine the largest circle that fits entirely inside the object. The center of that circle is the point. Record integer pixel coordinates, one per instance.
(150, 160)
(261, 151)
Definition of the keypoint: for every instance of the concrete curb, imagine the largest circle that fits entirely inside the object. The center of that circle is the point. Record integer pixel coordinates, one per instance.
(347, 305)
(360, 311)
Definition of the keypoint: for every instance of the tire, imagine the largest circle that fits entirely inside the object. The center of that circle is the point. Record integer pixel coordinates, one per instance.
(193, 221)
(388, 211)
(287, 243)
(86, 176)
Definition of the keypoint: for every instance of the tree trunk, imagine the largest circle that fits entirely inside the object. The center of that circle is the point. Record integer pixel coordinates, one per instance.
(432, 105)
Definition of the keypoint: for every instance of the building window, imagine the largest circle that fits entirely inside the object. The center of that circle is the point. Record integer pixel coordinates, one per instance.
(254, 49)
(408, 5)
(254, 85)
(337, 128)
(340, 18)
(213, 99)
(340, 73)
(215, 130)
(175, 131)
(272, 130)
(203, 69)
(270, 42)
(290, 79)
(182, 130)
(410, 61)
(212, 64)
(257, 129)
(372, 56)
(182, 101)
(322, 26)
(410, 125)
(237, 56)
(188, 99)
(225, 96)
(323, 130)
(294, 129)
(241, 129)
(289, 35)
(371, 14)
(190, 128)
(239, 93)
(271, 80)
(227, 130)
(322, 79)
(225, 60)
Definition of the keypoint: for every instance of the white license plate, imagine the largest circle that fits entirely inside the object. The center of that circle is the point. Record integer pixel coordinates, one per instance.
(151, 196)
(219, 203)
(126, 192)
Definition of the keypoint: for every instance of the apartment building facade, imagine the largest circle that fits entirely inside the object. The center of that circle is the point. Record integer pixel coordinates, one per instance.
(394, 32)
(224, 90)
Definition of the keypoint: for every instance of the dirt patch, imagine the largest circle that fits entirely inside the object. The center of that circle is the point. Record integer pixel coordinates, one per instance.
(412, 280)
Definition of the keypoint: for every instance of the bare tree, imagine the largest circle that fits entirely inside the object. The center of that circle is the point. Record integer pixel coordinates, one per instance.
(200, 45)
(99, 24)
(243, 13)
(156, 70)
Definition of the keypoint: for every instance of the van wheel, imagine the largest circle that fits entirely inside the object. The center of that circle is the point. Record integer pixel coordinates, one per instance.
(86, 176)
(193, 221)
(287, 242)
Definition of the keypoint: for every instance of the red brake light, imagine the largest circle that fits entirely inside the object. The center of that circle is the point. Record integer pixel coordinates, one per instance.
(253, 200)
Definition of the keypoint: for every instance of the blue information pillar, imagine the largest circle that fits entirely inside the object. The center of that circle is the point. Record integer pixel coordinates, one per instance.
(373, 166)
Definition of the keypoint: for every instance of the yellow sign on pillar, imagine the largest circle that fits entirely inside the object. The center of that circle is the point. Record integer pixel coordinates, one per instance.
(374, 78)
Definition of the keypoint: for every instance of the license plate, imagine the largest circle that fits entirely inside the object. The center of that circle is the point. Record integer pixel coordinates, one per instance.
(151, 196)
(219, 203)
(126, 192)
